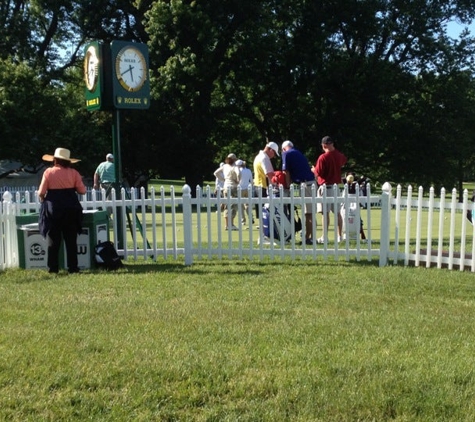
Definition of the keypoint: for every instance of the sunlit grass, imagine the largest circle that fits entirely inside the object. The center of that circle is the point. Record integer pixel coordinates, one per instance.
(215, 223)
(238, 341)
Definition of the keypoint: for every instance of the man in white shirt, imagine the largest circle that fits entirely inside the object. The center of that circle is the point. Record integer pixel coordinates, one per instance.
(219, 182)
(245, 181)
(231, 181)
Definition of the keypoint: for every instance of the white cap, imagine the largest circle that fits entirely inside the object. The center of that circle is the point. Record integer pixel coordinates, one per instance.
(274, 146)
(287, 144)
(239, 163)
(109, 156)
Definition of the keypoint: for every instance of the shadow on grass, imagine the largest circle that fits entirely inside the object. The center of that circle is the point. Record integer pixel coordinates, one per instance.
(237, 267)
(245, 266)
(197, 268)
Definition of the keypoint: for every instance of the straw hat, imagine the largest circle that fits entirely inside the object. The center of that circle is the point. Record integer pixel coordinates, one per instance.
(61, 153)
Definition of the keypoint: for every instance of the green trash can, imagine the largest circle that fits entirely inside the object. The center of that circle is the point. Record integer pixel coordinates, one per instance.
(33, 248)
(95, 229)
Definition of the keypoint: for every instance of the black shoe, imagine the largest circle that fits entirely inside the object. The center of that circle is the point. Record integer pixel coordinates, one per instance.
(53, 271)
(308, 241)
(73, 270)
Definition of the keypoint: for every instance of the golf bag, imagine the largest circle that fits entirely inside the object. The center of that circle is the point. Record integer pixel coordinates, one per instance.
(279, 221)
(354, 225)
(351, 228)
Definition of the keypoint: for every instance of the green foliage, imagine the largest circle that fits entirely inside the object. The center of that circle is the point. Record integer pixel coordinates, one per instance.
(302, 70)
(383, 78)
(25, 104)
(238, 341)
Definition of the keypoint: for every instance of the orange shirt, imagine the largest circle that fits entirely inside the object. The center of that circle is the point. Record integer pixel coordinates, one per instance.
(59, 177)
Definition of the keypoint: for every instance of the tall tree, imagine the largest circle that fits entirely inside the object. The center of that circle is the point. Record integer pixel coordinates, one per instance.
(300, 69)
(381, 77)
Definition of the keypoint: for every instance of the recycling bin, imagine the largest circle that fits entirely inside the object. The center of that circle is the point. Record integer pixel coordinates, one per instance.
(33, 248)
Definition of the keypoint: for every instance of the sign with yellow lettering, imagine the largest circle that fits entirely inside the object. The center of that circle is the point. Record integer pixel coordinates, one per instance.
(93, 75)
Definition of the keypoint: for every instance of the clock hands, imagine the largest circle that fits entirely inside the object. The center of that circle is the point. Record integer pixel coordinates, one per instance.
(130, 69)
(130, 85)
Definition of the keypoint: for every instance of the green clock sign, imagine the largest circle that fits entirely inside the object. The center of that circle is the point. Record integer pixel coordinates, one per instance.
(130, 79)
(116, 76)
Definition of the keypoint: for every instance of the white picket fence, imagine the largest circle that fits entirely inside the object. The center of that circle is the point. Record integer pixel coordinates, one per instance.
(408, 230)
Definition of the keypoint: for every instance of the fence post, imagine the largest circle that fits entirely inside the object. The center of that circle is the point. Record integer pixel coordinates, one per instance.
(187, 225)
(9, 248)
(385, 224)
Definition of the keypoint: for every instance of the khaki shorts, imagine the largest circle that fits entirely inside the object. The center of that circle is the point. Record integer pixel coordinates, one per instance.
(233, 210)
(307, 209)
(330, 194)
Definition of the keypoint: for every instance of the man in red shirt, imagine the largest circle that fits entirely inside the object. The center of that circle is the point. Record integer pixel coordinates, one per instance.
(327, 170)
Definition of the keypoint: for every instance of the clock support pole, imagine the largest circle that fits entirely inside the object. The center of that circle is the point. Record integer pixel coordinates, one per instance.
(116, 147)
(118, 178)
(118, 173)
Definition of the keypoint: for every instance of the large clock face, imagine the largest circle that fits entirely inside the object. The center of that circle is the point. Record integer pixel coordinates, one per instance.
(91, 68)
(131, 68)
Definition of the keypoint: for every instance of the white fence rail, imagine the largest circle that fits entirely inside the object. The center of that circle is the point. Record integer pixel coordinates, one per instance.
(399, 230)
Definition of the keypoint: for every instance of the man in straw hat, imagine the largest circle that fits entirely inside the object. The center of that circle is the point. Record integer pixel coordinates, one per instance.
(61, 211)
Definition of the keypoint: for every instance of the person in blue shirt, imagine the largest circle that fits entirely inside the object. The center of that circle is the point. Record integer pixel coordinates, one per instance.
(104, 176)
(297, 170)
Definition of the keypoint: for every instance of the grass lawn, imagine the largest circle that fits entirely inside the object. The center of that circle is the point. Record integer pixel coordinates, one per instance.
(228, 341)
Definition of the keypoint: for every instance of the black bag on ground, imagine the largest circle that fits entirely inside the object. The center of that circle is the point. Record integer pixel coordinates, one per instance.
(106, 256)
(298, 221)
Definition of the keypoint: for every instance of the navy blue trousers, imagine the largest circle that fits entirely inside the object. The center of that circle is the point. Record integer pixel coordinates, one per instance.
(64, 227)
